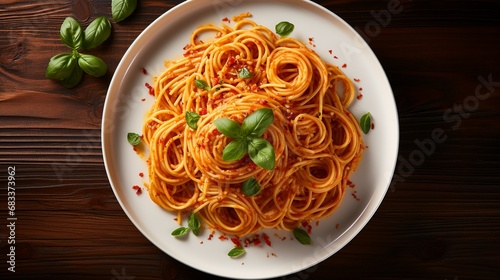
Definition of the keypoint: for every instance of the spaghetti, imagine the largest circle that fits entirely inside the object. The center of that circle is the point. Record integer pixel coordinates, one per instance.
(317, 142)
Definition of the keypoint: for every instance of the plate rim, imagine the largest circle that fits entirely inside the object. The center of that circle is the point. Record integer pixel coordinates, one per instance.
(122, 69)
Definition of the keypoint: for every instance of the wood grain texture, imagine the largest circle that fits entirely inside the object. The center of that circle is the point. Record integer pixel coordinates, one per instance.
(439, 220)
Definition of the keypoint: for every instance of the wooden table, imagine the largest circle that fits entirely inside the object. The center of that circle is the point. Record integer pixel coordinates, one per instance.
(439, 220)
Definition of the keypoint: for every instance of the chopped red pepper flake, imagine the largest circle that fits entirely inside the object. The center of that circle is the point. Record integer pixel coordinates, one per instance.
(307, 226)
(137, 189)
(226, 19)
(236, 242)
(357, 80)
(143, 70)
(141, 174)
(267, 239)
(344, 65)
(355, 196)
(150, 88)
(330, 51)
(373, 127)
(336, 57)
(223, 237)
(359, 96)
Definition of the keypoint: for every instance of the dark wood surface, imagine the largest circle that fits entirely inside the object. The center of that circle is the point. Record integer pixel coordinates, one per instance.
(439, 220)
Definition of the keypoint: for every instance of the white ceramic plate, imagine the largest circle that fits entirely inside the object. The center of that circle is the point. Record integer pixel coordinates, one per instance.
(124, 112)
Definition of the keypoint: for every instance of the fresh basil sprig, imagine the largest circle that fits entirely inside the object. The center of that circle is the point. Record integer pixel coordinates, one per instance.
(365, 123)
(68, 68)
(121, 9)
(247, 138)
(284, 28)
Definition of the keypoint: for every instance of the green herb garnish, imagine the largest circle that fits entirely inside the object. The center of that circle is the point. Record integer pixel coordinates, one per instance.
(250, 187)
(262, 153)
(247, 138)
(92, 65)
(236, 252)
(194, 224)
(121, 9)
(71, 33)
(180, 231)
(133, 138)
(245, 73)
(201, 84)
(284, 28)
(365, 123)
(192, 119)
(68, 68)
(302, 236)
(96, 33)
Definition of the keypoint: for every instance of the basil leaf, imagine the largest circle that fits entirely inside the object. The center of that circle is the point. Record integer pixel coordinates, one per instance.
(194, 224)
(228, 127)
(235, 150)
(236, 252)
(261, 152)
(284, 28)
(257, 122)
(133, 138)
(96, 33)
(121, 9)
(192, 119)
(73, 79)
(71, 33)
(302, 236)
(365, 123)
(92, 65)
(201, 84)
(180, 231)
(60, 66)
(244, 73)
(250, 187)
